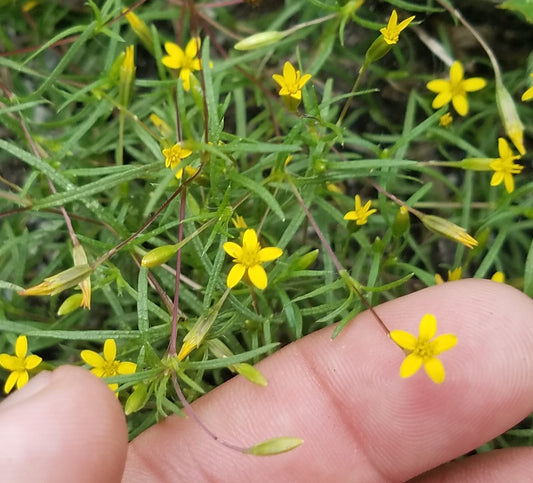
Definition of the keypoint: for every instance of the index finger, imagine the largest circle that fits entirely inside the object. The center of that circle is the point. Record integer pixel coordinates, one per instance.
(344, 397)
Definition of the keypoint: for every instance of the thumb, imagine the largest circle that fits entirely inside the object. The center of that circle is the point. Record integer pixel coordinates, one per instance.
(63, 426)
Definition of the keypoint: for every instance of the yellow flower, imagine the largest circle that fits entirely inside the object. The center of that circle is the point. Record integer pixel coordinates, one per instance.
(454, 274)
(291, 83)
(107, 366)
(423, 350)
(505, 167)
(391, 33)
(184, 60)
(248, 260)
(455, 89)
(19, 364)
(174, 156)
(238, 222)
(445, 120)
(526, 96)
(361, 213)
(140, 28)
(448, 229)
(498, 277)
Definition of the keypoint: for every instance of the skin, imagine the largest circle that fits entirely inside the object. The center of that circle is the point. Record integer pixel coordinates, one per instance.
(359, 420)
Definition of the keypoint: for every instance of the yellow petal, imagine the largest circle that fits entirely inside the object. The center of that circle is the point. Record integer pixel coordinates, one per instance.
(185, 76)
(92, 358)
(8, 361)
(443, 343)
(191, 49)
(508, 180)
(474, 84)
(305, 78)
(441, 100)
(10, 382)
(232, 249)
(21, 346)
(404, 339)
(32, 361)
(235, 275)
(269, 254)
(22, 379)
(110, 350)
(435, 370)
(351, 215)
(456, 72)
(410, 365)
(460, 104)
(438, 85)
(289, 72)
(249, 240)
(428, 327)
(258, 276)
(174, 50)
(526, 96)
(503, 148)
(497, 178)
(280, 80)
(126, 368)
(98, 371)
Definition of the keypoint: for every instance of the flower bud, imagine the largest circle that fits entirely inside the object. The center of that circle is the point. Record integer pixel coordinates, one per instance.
(511, 122)
(158, 256)
(448, 229)
(259, 40)
(70, 304)
(80, 258)
(275, 446)
(306, 260)
(141, 30)
(137, 399)
(59, 282)
(127, 74)
(401, 223)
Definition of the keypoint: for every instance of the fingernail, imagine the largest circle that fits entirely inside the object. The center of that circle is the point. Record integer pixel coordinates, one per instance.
(30, 390)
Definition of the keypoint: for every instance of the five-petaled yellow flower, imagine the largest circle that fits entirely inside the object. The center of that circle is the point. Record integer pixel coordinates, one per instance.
(248, 260)
(107, 366)
(19, 364)
(453, 275)
(361, 213)
(504, 166)
(174, 156)
(291, 83)
(391, 33)
(455, 89)
(184, 60)
(423, 350)
(526, 96)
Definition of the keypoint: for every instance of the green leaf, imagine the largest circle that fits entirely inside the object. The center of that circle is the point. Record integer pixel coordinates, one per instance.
(525, 7)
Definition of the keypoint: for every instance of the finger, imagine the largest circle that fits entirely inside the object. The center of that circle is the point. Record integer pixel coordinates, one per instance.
(346, 400)
(510, 464)
(62, 426)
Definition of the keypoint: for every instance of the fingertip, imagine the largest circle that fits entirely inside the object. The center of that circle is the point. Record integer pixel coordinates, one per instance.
(63, 426)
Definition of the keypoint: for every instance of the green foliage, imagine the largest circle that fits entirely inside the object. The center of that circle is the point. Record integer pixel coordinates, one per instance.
(69, 144)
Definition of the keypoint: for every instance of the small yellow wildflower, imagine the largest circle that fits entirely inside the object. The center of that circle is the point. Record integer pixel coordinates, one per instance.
(391, 33)
(361, 213)
(446, 120)
(505, 167)
(108, 366)
(453, 275)
(184, 60)
(238, 222)
(140, 28)
(423, 350)
(19, 364)
(448, 229)
(248, 260)
(455, 89)
(291, 83)
(498, 277)
(528, 95)
(174, 156)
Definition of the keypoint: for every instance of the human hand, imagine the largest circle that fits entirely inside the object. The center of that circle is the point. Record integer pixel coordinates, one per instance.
(359, 420)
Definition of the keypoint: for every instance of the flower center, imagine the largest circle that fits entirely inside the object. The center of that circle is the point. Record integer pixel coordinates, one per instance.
(423, 350)
(249, 257)
(111, 368)
(20, 365)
